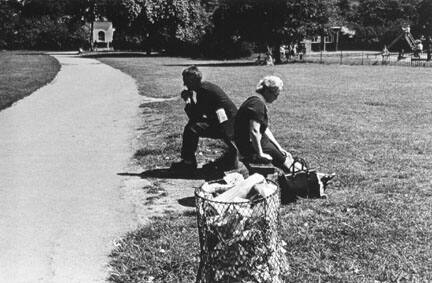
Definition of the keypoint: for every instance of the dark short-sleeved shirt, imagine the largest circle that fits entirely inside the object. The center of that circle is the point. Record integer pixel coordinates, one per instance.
(253, 108)
(210, 98)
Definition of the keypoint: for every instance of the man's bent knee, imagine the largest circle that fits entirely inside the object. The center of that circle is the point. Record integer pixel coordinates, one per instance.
(192, 128)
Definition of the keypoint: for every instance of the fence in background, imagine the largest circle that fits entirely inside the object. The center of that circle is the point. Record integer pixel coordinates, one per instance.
(363, 58)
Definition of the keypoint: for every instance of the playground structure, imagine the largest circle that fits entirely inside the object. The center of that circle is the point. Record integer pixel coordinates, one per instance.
(415, 44)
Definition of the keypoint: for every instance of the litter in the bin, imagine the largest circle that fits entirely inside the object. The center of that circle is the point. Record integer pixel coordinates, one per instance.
(233, 188)
(241, 231)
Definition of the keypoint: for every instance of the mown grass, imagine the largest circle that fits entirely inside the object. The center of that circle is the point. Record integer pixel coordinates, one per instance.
(22, 73)
(369, 124)
(165, 251)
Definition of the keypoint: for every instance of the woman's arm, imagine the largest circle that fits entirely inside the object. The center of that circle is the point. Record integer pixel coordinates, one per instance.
(273, 139)
(255, 136)
(278, 146)
(289, 159)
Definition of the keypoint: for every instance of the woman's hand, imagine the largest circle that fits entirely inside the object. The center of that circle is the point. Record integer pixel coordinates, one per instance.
(265, 157)
(285, 153)
(288, 157)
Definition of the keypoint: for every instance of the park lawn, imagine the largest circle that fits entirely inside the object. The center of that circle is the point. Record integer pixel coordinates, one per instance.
(369, 124)
(21, 73)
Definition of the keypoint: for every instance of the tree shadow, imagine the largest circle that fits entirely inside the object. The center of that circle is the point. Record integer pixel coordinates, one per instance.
(120, 55)
(29, 53)
(166, 173)
(227, 64)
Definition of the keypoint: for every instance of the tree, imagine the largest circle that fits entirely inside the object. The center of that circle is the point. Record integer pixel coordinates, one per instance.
(377, 22)
(173, 25)
(123, 12)
(9, 21)
(47, 24)
(425, 16)
(38, 8)
(272, 22)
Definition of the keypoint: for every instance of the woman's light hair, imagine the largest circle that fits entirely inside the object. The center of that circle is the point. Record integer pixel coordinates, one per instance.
(270, 82)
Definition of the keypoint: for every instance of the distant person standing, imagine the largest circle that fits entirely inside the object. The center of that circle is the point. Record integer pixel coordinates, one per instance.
(269, 57)
(211, 114)
(420, 46)
(385, 51)
(385, 54)
(401, 54)
(300, 51)
(429, 47)
(282, 53)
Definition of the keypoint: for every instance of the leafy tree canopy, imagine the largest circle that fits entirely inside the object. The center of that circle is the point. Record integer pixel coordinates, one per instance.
(425, 16)
(183, 24)
(274, 21)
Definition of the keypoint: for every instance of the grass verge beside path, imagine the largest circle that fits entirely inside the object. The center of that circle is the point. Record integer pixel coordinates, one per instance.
(23, 73)
(370, 125)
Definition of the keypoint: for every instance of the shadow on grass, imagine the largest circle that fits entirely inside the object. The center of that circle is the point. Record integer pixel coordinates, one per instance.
(166, 173)
(227, 64)
(187, 201)
(29, 53)
(119, 55)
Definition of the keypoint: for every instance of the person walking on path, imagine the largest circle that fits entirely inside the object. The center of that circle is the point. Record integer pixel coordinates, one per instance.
(211, 114)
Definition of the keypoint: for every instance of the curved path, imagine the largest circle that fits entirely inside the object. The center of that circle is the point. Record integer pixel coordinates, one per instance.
(61, 200)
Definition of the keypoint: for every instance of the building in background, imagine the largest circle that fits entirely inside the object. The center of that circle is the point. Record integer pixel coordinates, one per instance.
(103, 33)
(330, 41)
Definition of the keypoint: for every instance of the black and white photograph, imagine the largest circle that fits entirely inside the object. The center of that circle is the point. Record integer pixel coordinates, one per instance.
(204, 141)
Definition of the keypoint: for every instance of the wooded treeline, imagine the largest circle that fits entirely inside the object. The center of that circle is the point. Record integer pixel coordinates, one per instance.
(212, 28)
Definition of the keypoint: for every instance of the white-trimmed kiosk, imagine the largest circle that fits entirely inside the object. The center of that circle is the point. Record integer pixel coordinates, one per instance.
(103, 33)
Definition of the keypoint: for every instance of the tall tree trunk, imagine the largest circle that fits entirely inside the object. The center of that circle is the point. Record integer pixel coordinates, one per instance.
(92, 19)
(322, 44)
(277, 54)
(91, 35)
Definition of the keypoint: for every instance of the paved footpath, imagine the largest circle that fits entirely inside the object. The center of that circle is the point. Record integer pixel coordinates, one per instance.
(61, 201)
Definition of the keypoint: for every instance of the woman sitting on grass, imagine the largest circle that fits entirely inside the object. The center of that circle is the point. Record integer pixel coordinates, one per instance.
(253, 138)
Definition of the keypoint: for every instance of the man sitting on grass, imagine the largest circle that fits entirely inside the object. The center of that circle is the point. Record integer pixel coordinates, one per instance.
(211, 114)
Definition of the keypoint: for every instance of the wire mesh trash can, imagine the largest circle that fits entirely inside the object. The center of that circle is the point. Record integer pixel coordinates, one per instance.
(240, 240)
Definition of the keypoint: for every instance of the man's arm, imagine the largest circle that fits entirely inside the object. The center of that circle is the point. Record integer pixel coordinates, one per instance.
(222, 119)
(221, 115)
(190, 107)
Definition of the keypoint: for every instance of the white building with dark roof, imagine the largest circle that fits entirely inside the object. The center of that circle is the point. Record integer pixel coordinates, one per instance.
(103, 33)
